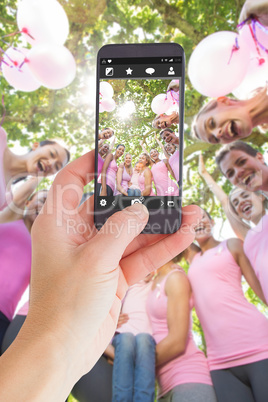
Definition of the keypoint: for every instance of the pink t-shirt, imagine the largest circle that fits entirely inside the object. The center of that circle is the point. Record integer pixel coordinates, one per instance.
(135, 181)
(174, 163)
(3, 193)
(256, 249)
(134, 304)
(111, 174)
(236, 332)
(124, 182)
(141, 182)
(191, 366)
(15, 264)
(163, 184)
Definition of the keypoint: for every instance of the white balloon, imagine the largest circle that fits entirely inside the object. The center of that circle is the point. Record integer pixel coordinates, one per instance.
(160, 104)
(52, 65)
(214, 69)
(106, 90)
(101, 108)
(22, 78)
(44, 20)
(108, 104)
(256, 77)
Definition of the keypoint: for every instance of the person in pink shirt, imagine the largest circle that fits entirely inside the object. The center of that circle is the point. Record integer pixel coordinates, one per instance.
(246, 212)
(236, 332)
(123, 176)
(181, 368)
(134, 349)
(15, 261)
(134, 189)
(145, 176)
(109, 171)
(160, 170)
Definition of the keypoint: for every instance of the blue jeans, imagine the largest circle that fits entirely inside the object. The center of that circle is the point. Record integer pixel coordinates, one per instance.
(133, 192)
(134, 368)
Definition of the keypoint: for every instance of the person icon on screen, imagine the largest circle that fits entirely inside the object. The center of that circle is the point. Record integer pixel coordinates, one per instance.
(171, 71)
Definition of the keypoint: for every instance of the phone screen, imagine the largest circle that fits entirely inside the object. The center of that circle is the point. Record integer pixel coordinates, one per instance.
(139, 136)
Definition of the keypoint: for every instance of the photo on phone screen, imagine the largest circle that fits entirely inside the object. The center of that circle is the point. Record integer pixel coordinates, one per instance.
(139, 138)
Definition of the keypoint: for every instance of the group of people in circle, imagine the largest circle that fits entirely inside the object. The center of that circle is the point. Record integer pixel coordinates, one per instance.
(154, 329)
(148, 176)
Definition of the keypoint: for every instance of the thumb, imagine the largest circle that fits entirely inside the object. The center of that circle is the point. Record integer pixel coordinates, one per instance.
(119, 231)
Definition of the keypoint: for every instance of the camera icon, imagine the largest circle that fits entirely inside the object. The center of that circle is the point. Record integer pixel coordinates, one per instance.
(136, 201)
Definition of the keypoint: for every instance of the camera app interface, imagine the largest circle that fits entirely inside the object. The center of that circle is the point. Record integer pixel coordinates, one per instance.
(138, 136)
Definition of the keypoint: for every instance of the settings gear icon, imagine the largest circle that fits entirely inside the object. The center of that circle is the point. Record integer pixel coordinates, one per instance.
(103, 203)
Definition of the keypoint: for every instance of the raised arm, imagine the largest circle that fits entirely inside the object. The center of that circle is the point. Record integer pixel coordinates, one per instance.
(239, 227)
(169, 168)
(178, 291)
(236, 248)
(14, 211)
(161, 146)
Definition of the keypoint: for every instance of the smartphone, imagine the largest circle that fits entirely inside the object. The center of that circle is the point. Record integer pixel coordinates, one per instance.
(139, 132)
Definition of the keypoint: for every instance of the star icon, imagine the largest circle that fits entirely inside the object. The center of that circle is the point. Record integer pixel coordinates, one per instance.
(129, 71)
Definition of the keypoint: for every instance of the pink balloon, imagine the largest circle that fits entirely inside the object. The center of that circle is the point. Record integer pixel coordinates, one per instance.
(160, 104)
(108, 104)
(44, 20)
(101, 108)
(214, 70)
(106, 90)
(52, 65)
(256, 77)
(22, 78)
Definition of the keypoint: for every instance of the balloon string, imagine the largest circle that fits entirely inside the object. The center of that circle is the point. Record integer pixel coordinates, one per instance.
(263, 29)
(4, 113)
(174, 95)
(252, 27)
(239, 26)
(234, 49)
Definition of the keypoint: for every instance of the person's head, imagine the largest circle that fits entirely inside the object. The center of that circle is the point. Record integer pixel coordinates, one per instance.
(247, 205)
(154, 154)
(46, 158)
(162, 121)
(120, 149)
(222, 120)
(203, 230)
(138, 167)
(104, 149)
(243, 165)
(170, 148)
(168, 136)
(128, 159)
(34, 205)
(106, 133)
(144, 159)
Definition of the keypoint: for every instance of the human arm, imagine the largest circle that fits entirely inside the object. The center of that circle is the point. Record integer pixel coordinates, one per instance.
(15, 208)
(78, 281)
(239, 227)
(255, 8)
(147, 182)
(107, 161)
(178, 292)
(162, 146)
(119, 177)
(236, 248)
(169, 168)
